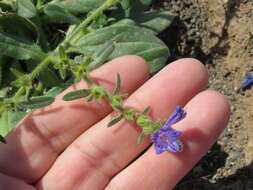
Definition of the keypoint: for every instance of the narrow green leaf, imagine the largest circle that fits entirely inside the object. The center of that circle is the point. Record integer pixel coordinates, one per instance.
(118, 85)
(102, 55)
(2, 139)
(36, 102)
(140, 138)
(60, 14)
(16, 48)
(17, 73)
(146, 110)
(77, 94)
(114, 121)
(53, 92)
(26, 8)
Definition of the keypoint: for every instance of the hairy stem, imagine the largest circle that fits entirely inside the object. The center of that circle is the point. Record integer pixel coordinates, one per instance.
(89, 19)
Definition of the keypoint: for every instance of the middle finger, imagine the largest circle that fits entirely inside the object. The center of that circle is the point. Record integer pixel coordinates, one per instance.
(98, 154)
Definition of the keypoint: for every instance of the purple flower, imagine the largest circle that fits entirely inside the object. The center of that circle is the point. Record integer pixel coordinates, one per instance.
(248, 80)
(167, 138)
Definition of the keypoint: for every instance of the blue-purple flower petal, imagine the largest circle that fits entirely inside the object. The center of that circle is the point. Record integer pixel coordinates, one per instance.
(177, 116)
(248, 80)
(167, 138)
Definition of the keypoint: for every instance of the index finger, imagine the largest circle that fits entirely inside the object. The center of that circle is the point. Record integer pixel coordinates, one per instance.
(32, 148)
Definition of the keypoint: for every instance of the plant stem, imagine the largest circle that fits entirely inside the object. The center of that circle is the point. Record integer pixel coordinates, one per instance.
(90, 18)
(33, 74)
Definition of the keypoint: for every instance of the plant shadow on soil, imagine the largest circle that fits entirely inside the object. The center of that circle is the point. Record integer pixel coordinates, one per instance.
(199, 177)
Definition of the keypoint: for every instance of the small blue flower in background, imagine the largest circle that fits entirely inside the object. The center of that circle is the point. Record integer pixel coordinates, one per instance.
(167, 138)
(248, 80)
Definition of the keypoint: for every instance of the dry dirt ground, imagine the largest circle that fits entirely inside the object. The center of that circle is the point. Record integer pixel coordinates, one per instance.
(220, 34)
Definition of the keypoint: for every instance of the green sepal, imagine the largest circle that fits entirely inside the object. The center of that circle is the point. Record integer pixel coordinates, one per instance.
(148, 129)
(130, 114)
(36, 102)
(143, 120)
(77, 94)
(140, 138)
(151, 128)
(2, 139)
(116, 102)
(118, 85)
(98, 92)
(114, 121)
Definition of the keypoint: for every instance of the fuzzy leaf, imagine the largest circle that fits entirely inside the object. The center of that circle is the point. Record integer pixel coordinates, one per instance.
(79, 6)
(9, 120)
(128, 39)
(60, 14)
(53, 92)
(157, 21)
(26, 8)
(16, 48)
(77, 94)
(114, 121)
(36, 102)
(102, 55)
(27, 30)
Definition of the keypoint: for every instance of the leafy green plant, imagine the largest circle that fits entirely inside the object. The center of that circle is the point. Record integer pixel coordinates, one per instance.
(45, 46)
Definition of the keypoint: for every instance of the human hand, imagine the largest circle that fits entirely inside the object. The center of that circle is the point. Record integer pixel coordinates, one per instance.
(67, 145)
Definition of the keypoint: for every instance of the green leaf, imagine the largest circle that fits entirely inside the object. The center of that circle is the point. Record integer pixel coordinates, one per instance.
(9, 120)
(128, 39)
(36, 102)
(27, 30)
(118, 85)
(19, 49)
(77, 94)
(129, 8)
(26, 8)
(78, 6)
(102, 55)
(15, 117)
(146, 110)
(114, 121)
(53, 92)
(157, 21)
(60, 14)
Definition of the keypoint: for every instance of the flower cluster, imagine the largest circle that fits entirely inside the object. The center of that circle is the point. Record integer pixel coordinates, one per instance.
(167, 138)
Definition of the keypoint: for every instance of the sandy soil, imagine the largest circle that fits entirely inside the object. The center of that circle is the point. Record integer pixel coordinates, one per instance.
(220, 34)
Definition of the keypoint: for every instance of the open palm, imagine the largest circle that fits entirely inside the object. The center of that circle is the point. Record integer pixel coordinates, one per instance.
(67, 146)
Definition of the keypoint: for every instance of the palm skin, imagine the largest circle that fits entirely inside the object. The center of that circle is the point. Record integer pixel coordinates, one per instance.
(67, 145)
